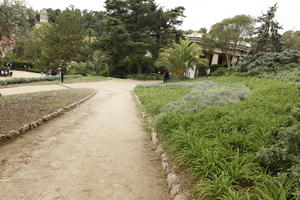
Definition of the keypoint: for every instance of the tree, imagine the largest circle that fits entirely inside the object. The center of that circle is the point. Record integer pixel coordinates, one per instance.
(180, 57)
(114, 41)
(228, 34)
(53, 15)
(267, 52)
(92, 23)
(291, 40)
(149, 27)
(64, 39)
(267, 34)
(15, 18)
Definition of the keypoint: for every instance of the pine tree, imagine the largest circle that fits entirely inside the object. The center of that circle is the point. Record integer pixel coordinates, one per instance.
(268, 38)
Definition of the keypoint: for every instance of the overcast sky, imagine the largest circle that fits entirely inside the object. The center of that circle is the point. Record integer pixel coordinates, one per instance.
(200, 13)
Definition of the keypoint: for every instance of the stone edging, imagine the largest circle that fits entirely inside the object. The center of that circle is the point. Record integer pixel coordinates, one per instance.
(174, 187)
(21, 131)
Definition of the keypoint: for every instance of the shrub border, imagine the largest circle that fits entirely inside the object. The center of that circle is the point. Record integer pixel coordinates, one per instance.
(176, 191)
(25, 128)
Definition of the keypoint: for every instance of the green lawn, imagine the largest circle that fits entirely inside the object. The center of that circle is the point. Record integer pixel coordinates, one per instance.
(236, 150)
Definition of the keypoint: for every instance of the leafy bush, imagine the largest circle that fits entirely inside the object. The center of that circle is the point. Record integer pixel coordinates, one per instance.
(292, 75)
(223, 71)
(268, 61)
(214, 67)
(219, 145)
(283, 156)
(87, 68)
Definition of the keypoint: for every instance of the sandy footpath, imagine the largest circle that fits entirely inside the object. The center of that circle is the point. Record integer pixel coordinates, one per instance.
(22, 74)
(96, 151)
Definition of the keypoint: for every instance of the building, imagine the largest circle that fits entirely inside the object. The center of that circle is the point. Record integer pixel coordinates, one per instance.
(217, 56)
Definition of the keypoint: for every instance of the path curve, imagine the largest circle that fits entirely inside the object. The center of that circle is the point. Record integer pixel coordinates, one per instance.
(96, 151)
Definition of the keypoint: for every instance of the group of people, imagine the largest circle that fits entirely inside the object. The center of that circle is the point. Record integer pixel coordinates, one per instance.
(61, 70)
(6, 71)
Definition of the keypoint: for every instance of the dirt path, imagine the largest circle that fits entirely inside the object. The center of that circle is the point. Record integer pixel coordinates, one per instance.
(96, 151)
(22, 74)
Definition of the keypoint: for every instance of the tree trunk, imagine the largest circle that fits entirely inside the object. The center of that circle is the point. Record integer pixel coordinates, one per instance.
(227, 59)
(140, 68)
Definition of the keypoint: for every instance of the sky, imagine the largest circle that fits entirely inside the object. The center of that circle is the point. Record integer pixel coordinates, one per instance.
(200, 13)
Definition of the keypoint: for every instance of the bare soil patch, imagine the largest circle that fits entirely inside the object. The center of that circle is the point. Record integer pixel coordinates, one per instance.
(20, 109)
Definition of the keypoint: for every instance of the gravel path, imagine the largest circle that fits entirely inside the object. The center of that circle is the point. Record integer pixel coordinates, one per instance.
(22, 74)
(96, 151)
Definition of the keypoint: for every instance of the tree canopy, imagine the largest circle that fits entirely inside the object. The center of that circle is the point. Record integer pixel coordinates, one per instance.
(64, 39)
(228, 34)
(291, 40)
(180, 57)
(148, 26)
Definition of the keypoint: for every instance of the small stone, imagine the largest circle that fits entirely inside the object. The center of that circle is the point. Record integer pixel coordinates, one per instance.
(154, 138)
(171, 179)
(159, 150)
(26, 127)
(39, 122)
(165, 166)
(180, 197)
(2, 137)
(175, 190)
(13, 133)
(164, 157)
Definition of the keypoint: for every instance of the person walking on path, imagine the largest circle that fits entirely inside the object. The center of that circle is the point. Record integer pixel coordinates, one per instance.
(207, 70)
(63, 71)
(166, 76)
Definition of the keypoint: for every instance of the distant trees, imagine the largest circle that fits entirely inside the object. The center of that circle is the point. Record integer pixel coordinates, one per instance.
(145, 27)
(291, 40)
(64, 39)
(267, 52)
(14, 18)
(180, 57)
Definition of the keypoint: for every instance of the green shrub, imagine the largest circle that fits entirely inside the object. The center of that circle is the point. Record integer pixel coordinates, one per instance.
(271, 61)
(223, 71)
(20, 65)
(214, 67)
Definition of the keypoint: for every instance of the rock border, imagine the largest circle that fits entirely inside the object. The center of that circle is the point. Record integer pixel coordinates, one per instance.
(176, 191)
(24, 129)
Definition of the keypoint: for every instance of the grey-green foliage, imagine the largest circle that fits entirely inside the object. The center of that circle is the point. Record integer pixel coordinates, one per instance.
(208, 93)
(35, 79)
(283, 156)
(269, 61)
(292, 75)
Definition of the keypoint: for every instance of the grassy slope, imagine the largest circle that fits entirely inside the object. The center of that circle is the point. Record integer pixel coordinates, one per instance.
(220, 144)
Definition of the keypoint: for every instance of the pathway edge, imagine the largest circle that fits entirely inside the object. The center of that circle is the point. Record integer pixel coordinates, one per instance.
(29, 126)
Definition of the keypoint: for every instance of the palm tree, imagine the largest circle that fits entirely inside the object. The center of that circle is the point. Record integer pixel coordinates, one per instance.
(180, 57)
